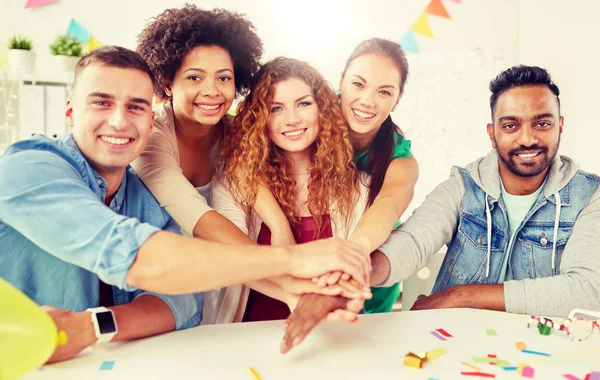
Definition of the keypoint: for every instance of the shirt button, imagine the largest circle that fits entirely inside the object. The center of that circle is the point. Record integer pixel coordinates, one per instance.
(99, 181)
(543, 240)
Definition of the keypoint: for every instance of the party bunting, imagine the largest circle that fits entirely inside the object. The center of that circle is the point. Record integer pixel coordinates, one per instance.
(78, 32)
(38, 3)
(421, 26)
(93, 44)
(436, 8)
(409, 43)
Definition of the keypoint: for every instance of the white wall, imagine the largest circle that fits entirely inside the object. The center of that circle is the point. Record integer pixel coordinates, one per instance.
(563, 37)
(322, 32)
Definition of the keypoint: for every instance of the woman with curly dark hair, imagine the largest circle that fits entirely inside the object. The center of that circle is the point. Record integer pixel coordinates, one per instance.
(290, 137)
(201, 60)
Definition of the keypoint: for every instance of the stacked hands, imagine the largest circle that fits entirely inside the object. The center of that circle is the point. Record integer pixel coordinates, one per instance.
(334, 296)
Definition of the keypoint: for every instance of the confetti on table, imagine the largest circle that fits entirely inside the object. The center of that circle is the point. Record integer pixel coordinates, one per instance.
(521, 366)
(527, 372)
(594, 376)
(444, 333)
(491, 332)
(535, 352)
(413, 360)
(478, 374)
(570, 377)
(521, 346)
(471, 366)
(253, 373)
(509, 368)
(107, 366)
(437, 335)
(430, 355)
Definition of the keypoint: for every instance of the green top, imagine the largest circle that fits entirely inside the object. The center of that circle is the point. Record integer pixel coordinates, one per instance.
(384, 298)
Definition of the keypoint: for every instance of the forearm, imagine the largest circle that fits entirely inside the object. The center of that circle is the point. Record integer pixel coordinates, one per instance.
(145, 316)
(552, 296)
(481, 296)
(197, 265)
(213, 226)
(379, 220)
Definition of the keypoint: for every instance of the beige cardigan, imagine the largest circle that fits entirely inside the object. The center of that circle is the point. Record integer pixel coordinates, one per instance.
(232, 300)
(160, 170)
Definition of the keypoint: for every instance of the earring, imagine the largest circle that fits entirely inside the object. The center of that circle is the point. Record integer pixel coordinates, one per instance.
(393, 109)
(339, 96)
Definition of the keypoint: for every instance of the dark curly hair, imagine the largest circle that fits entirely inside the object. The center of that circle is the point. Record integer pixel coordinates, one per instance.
(518, 76)
(169, 37)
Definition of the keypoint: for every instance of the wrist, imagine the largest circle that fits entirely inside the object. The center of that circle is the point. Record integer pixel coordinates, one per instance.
(84, 319)
(285, 259)
(461, 295)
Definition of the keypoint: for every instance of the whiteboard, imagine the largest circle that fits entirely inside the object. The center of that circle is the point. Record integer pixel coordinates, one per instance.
(445, 111)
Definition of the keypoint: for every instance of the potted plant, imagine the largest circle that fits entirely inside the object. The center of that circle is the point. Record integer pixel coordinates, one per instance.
(66, 51)
(21, 58)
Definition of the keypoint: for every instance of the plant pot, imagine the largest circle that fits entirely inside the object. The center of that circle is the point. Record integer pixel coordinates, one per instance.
(21, 61)
(65, 63)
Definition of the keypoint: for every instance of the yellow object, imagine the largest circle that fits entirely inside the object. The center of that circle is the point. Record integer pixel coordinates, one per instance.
(414, 360)
(435, 353)
(421, 26)
(93, 44)
(28, 336)
(254, 374)
(521, 366)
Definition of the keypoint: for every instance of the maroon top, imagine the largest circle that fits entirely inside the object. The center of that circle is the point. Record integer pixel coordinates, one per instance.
(263, 308)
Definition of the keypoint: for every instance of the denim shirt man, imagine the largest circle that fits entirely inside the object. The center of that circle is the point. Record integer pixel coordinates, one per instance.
(552, 265)
(62, 190)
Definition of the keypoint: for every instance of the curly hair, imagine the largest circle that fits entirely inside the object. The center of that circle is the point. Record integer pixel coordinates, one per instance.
(169, 37)
(250, 154)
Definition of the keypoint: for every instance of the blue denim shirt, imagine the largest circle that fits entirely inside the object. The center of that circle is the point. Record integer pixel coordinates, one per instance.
(58, 238)
(534, 244)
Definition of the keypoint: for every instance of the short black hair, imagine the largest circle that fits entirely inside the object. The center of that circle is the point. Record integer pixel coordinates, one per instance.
(115, 56)
(170, 36)
(518, 76)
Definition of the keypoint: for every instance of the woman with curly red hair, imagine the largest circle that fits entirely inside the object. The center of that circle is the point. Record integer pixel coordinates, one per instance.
(289, 137)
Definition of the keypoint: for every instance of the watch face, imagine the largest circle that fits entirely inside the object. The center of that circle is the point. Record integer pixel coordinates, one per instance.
(106, 323)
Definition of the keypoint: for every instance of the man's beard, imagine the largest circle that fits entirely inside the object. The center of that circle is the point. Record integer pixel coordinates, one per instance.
(524, 170)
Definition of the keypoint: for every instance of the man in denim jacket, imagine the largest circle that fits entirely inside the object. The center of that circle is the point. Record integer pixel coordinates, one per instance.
(75, 219)
(521, 224)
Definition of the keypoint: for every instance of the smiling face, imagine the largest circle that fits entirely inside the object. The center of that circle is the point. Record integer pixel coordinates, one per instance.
(203, 88)
(369, 89)
(111, 114)
(526, 130)
(293, 123)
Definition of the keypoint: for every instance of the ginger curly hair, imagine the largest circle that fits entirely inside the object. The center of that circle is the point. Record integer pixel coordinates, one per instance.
(249, 153)
(169, 37)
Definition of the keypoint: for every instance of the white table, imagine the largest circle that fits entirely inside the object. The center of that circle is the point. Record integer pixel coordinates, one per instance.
(373, 349)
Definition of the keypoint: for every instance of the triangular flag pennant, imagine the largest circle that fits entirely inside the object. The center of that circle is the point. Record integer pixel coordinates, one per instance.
(436, 8)
(38, 3)
(421, 26)
(78, 32)
(93, 44)
(409, 43)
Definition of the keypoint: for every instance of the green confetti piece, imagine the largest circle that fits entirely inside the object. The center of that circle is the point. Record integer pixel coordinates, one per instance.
(491, 332)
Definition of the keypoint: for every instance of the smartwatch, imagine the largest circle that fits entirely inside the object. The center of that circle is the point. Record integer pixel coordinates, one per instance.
(105, 324)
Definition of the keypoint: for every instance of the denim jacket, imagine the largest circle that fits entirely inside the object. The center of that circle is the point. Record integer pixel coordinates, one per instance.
(553, 261)
(58, 238)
